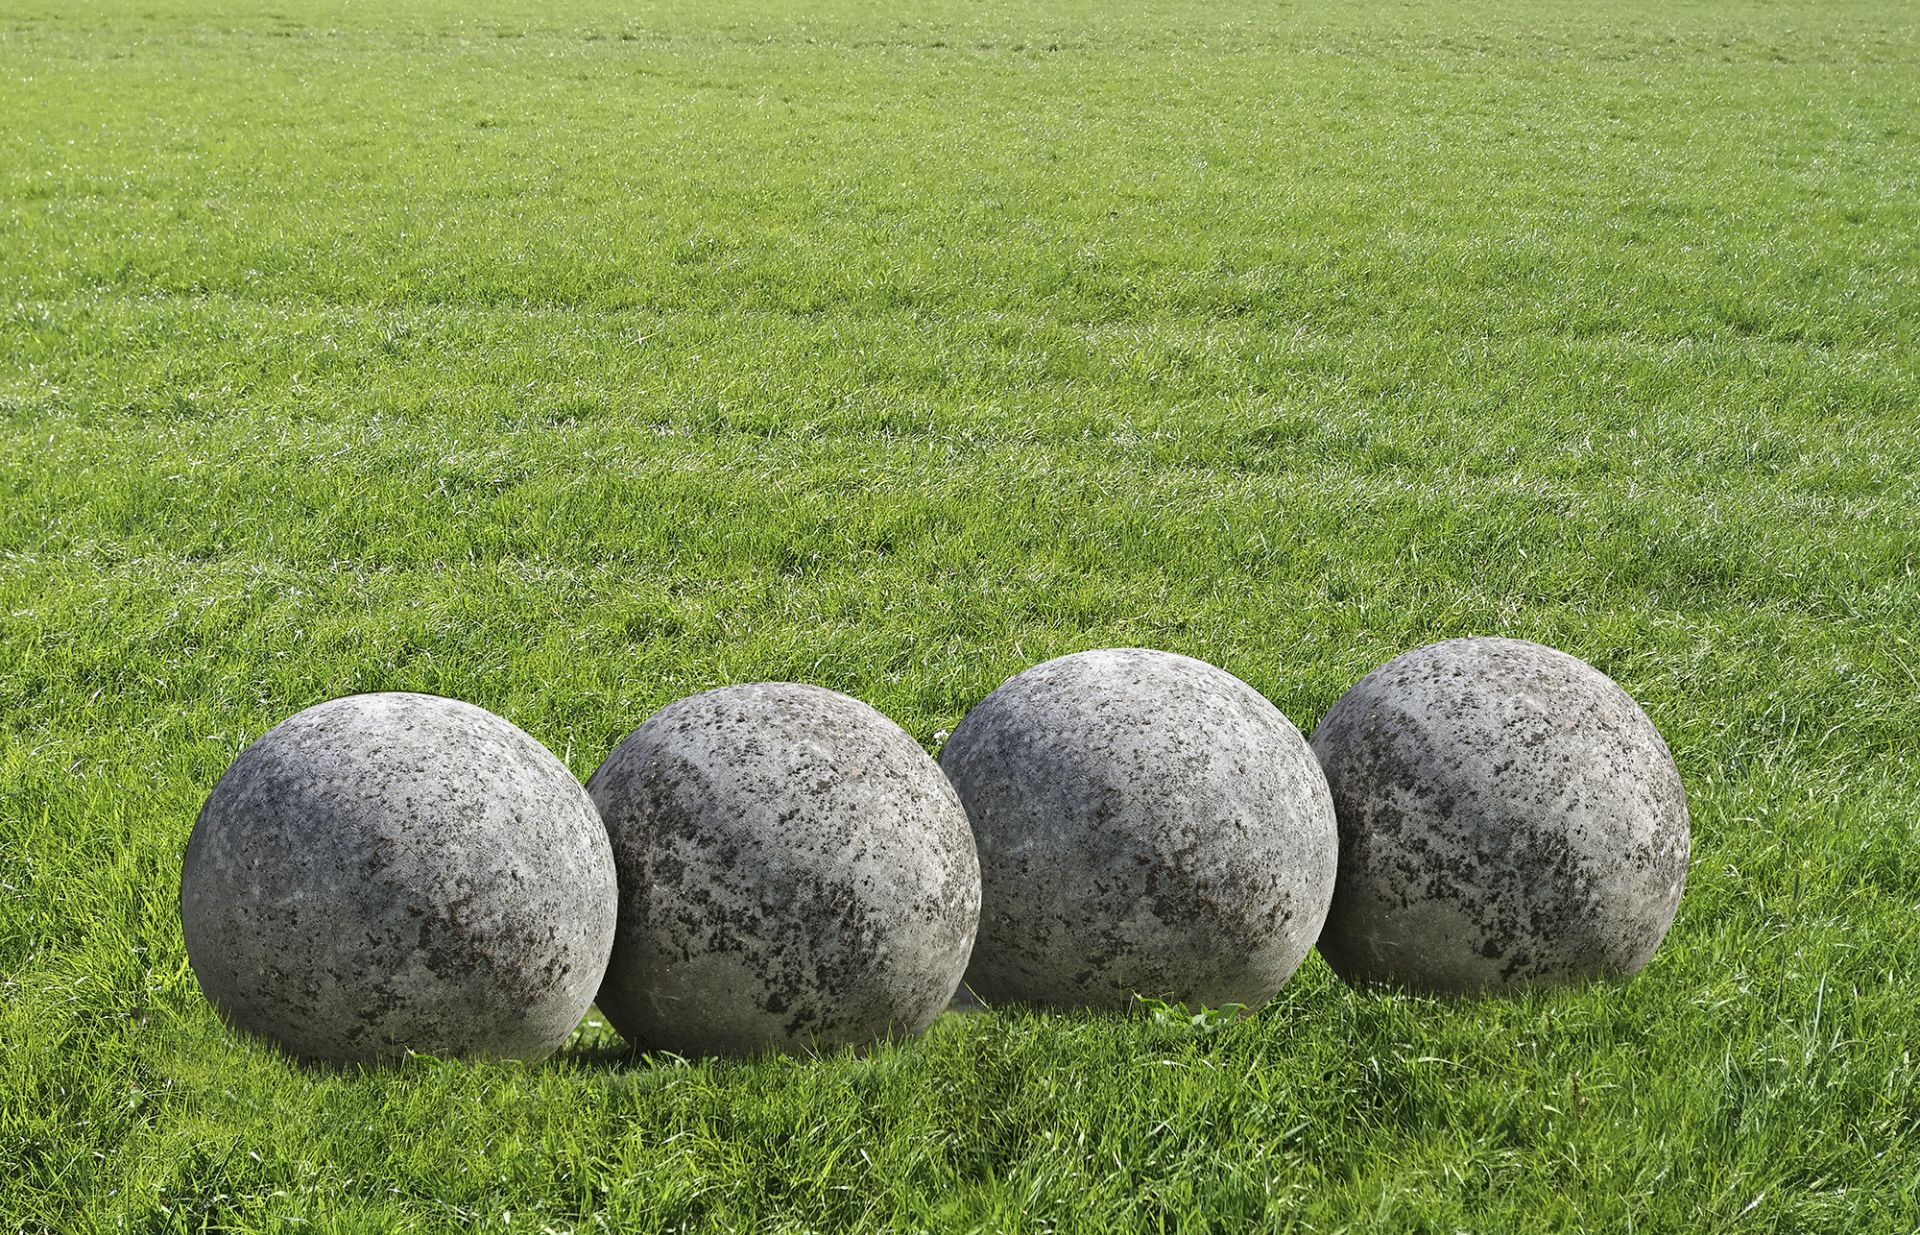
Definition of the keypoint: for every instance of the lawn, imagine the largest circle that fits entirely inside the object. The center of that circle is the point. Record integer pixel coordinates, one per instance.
(571, 358)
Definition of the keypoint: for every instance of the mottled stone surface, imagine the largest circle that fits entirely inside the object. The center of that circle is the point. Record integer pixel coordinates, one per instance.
(393, 871)
(795, 874)
(1148, 825)
(1509, 818)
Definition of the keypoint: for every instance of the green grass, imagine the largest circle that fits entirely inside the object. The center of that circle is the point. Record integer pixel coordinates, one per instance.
(568, 359)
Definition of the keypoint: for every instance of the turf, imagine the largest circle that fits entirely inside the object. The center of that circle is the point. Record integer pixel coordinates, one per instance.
(569, 359)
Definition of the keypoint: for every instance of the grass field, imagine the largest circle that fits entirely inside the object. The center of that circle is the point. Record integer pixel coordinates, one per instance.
(570, 358)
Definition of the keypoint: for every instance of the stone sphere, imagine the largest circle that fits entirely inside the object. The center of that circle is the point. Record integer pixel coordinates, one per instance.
(1509, 818)
(1148, 825)
(795, 875)
(396, 872)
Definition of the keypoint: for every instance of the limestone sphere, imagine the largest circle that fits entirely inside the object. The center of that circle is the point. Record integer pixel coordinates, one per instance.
(1509, 818)
(795, 875)
(1148, 825)
(395, 872)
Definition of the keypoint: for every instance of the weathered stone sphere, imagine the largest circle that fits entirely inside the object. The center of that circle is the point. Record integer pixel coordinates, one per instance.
(396, 872)
(1509, 818)
(1148, 825)
(795, 875)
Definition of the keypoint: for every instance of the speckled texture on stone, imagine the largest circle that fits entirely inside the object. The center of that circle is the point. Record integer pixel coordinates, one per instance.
(1509, 818)
(395, 872)
(795, 874)
(1148, 825)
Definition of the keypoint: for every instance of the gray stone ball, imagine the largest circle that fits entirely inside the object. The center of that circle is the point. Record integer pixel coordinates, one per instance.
(795, 875)
(1148, 825)
(395, 872)
(1509, 818)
